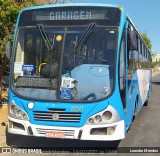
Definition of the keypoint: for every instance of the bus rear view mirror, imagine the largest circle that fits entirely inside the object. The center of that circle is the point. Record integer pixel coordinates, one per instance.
(133, 41)
(8, 49)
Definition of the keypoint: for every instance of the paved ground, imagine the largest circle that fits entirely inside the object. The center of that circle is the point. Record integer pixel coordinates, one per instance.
(3, 118)
(3, 123)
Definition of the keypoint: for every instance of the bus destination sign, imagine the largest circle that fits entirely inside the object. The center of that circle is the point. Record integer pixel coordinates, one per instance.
(70, 15)
(103, 14)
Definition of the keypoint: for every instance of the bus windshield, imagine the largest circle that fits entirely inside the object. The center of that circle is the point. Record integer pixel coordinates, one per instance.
(88, 70)
(73, 63)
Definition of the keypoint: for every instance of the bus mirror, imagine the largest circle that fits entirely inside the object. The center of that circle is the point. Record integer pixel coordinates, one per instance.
(133, 44)
(8, 49)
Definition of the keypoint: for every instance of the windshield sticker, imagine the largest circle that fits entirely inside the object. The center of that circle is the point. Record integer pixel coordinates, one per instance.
(65, 93)
(28, 68)
(67, 82)
(17, 67)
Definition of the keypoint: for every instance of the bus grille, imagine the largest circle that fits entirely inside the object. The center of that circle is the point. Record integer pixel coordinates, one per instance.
(57, 115)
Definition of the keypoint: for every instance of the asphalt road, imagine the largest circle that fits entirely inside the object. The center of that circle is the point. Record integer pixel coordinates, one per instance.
(144, 132)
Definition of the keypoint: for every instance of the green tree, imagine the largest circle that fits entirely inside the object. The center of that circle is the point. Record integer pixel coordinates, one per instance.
(9, 10)
(147, 40)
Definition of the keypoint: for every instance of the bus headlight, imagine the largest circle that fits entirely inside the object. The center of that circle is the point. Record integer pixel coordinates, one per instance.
(98, 118)
(25, 117)
(107, 116)
(91, 120)
(13, 109)
(16, 112)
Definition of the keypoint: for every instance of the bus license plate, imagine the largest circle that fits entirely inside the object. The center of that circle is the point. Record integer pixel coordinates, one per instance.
(55, 134)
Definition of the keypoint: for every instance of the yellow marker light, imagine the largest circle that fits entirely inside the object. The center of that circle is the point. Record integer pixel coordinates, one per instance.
(120, 7)
(58, 38)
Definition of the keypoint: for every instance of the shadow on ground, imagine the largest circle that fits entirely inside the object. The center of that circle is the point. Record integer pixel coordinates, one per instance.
(156, 82)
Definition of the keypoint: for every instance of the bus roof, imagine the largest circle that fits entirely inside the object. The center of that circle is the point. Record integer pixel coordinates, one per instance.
(72, 4)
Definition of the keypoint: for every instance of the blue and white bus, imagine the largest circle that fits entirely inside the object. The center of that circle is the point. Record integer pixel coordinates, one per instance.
(78, 71)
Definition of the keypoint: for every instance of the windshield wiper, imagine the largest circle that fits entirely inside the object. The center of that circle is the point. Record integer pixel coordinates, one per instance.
(84, 37)
(51, 68)
(45, 37)
(80, 43)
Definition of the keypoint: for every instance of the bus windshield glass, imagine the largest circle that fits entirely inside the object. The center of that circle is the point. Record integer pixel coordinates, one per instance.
(74, 62)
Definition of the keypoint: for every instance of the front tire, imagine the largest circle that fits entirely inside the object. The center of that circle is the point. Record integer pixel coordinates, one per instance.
(146, 102)
(135, 110)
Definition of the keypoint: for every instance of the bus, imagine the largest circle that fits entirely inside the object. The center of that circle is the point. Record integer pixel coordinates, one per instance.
(78, 71)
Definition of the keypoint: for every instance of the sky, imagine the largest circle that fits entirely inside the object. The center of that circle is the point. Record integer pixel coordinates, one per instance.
(145, 15)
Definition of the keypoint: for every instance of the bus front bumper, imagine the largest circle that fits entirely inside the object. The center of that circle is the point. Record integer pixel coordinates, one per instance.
(105, 132)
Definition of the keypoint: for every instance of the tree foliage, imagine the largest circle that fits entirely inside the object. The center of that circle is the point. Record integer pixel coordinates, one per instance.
(9, 10)
(147, 40)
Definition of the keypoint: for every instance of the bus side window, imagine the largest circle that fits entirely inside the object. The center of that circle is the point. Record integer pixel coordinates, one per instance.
(135, 60)
(130, 62)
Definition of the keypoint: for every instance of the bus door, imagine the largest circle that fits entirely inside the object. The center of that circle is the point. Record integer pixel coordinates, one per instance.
(132, 62)
(125, 76)
(130, 90)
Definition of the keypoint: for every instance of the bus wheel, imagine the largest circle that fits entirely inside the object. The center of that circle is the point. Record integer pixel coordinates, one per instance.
(146, 102)
(135, 110)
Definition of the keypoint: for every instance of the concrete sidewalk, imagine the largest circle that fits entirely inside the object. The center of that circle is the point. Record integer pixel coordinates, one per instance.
(3, 123)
